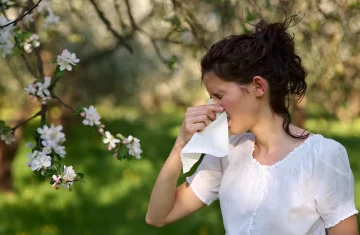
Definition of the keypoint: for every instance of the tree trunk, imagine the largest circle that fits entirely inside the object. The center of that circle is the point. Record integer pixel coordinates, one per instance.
(8, 152)
(7, 155)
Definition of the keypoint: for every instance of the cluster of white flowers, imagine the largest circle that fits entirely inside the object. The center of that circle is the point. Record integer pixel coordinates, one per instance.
(7, 34)
(67, 60)
(40, 90)
(66, 179)
(8, 137)
(52, 138)
(31, 42)
(91, 117)
(39, 160)
(6, 37)
(133, 144)
(50, 19)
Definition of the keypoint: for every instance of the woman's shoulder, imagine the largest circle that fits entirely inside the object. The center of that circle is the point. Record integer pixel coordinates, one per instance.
(329, 152)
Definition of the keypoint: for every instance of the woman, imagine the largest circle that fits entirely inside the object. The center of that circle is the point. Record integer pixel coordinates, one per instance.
(277, 178)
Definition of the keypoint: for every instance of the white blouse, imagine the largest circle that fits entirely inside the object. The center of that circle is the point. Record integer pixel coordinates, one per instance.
(309, 190)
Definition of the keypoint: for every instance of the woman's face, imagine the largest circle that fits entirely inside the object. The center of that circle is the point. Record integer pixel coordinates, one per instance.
(239, 101)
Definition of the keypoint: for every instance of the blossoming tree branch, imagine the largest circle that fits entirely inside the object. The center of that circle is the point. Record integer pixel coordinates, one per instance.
(47, 149)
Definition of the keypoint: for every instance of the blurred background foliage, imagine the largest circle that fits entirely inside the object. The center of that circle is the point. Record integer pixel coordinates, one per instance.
(140, 67)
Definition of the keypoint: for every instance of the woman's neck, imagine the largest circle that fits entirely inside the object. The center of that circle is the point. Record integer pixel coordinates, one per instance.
(270, 134)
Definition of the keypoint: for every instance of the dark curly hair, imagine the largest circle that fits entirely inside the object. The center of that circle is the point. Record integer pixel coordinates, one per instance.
(268, 52)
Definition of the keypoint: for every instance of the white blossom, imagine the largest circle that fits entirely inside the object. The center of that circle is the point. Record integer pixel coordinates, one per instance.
(57, 135)
(60, 150)
(91, 116)
(44, 132)
(57, 180)
(51, 19)
(133, 144)
(31, 42)
(8, 137)
(31, 89)
(69, 173)
(67, 60)
(67, 184)
(6, 37)
(111, 140)
(30, 145)
(52, 138)
(31, 157)
(40, 90)
(42, 161)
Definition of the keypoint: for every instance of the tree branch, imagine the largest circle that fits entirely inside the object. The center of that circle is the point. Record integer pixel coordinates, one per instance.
(27, 120)
(21, 16)
(136, 27)
(119, 37)
(63, 103)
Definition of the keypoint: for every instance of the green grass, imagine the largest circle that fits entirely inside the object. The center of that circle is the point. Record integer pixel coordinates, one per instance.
(113, 199)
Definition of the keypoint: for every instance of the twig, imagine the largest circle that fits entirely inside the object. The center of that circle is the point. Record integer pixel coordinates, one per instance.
(121, 21)
(3, 11)
(136, 27)
(28, 66)
(39, 62)
(110, 28)
(43, 113)
(25, 121)
(21, 16)
(63, 103)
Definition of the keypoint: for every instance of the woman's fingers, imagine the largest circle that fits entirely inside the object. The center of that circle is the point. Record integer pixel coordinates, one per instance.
(208, 110)
(200, 119)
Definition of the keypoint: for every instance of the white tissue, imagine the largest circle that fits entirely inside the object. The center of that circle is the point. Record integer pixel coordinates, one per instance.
(213, 140)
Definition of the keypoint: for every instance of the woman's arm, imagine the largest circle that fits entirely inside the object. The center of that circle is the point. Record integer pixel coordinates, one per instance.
(348, 226)
(169, 203)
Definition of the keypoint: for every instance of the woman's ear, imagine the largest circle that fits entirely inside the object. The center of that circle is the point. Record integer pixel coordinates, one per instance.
(260, 86)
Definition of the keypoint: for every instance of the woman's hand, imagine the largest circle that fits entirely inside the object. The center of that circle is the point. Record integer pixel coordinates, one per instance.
(196, 119)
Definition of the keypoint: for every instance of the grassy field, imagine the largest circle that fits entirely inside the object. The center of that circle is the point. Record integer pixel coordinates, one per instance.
(113, 200)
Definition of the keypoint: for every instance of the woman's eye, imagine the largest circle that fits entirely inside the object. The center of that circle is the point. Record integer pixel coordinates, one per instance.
(218, 96)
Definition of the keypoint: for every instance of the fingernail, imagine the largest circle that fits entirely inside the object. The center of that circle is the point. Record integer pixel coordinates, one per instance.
(221, 108)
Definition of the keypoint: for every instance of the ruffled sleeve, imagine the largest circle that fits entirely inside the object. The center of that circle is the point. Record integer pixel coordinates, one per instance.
(205, 182)
(333, 183)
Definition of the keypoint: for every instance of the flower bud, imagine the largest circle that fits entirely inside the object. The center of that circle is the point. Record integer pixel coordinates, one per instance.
(102, 126)
(101, 130)
(82, 114)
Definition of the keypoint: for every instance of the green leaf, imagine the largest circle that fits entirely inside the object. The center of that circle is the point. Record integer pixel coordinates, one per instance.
(56, 165)
(122, 152)
(2, 124)
(172, 62)
(249, 16)
(80, 176)
(54, 60)
(80, 109)
(58, 72)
